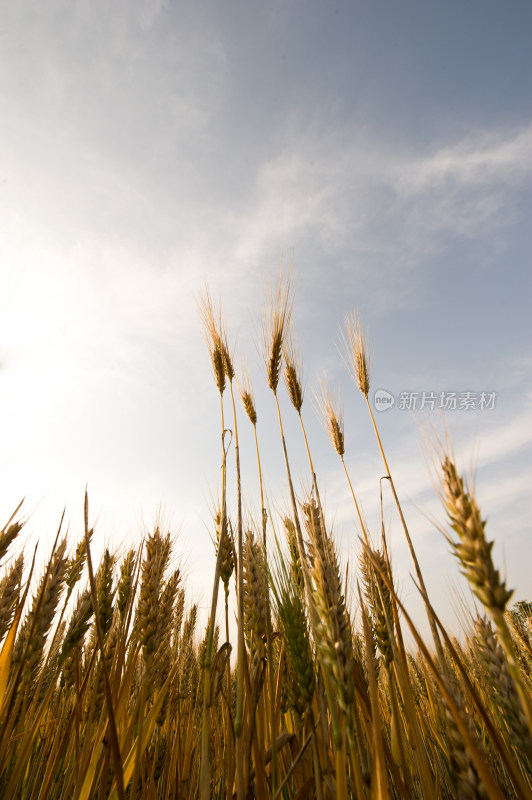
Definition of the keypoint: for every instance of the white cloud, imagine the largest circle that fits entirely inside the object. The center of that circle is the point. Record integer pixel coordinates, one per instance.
(339, 191)
(475, 161)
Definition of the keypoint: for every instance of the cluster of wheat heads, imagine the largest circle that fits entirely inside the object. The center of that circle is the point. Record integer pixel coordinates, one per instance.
(109, 690)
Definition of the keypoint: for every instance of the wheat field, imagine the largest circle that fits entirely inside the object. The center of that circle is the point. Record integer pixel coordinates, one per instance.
(109, 689)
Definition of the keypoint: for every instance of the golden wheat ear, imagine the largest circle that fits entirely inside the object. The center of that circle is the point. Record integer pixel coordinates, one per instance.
(245, 389)
(275, 322)
(355, 352)
(472, 548)
(215, 339)
(293, 372)
(331, 412)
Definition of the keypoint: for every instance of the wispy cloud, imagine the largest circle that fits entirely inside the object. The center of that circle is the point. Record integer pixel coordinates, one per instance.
(340, 191)
(475, 161)
(470, 188)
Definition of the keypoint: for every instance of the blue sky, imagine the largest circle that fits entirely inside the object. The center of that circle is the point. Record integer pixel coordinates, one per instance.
(146, 147)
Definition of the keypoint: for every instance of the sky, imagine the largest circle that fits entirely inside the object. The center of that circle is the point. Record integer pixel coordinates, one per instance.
(150, 148)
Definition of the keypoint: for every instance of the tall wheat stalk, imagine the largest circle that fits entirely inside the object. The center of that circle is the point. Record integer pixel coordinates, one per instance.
(331, 411)
(213, 335)
(248, 402)
(359, 363)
